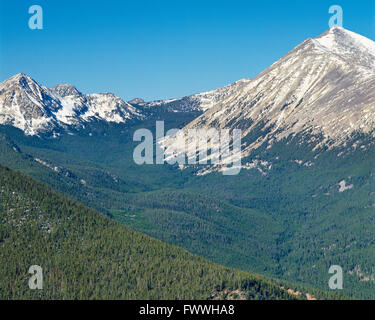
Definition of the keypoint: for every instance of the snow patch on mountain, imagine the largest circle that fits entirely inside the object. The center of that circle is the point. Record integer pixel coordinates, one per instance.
(349, 45)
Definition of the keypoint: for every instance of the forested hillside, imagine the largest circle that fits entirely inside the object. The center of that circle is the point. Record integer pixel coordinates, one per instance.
(85, 255)
(267, 222)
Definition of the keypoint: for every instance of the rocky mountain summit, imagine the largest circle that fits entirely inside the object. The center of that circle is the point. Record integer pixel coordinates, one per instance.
(324, 90)
(33, 108)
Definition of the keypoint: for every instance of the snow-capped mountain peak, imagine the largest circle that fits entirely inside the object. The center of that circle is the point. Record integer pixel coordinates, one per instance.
(33, 108)
(22, 82)
(348, 45)
(323, 90)
(27, 105)
(21, 79)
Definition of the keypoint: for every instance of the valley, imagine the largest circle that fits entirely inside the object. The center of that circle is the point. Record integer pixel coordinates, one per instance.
(85, 255)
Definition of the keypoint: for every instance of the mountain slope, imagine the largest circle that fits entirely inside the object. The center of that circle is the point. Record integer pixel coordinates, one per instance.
(323, 90)
(85, 255)
(198, 102)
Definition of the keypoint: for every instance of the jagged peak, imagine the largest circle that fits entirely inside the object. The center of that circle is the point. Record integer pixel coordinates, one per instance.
(136, 101)
(65, 89)
(20, 78)
(24, 83)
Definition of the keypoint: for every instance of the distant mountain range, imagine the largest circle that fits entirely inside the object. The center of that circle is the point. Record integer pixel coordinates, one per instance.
(33, 108)
(36, 109)
(325, 86)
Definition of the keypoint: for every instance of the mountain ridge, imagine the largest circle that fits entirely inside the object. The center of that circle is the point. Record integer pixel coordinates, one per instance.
(337, 57)
(311, 91)
(34, 108)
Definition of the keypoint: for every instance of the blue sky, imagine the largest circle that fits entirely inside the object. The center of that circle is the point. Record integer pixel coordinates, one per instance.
(158, 49)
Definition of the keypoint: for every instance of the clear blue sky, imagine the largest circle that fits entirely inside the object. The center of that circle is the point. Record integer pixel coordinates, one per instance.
(158, 49)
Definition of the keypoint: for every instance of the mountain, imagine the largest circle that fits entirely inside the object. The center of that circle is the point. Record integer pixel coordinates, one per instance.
(36, 109)
(322, 91)
(27, 105)
(33, 108)
(88, 256)
(201, 101)
(138, 101)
